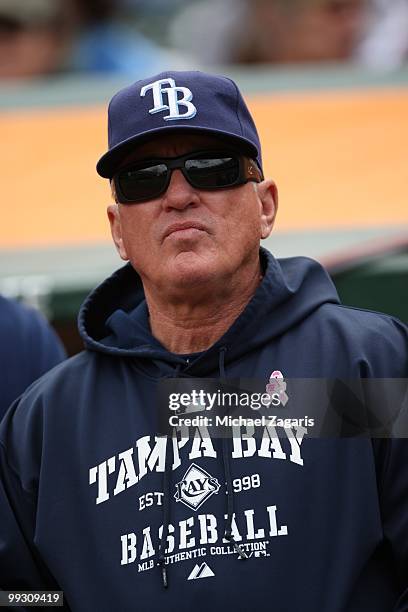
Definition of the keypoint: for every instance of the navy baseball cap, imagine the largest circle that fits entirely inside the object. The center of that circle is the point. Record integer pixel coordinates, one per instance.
(176, 102)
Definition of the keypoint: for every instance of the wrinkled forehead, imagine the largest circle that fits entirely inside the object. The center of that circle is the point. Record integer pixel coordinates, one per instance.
(174, 144)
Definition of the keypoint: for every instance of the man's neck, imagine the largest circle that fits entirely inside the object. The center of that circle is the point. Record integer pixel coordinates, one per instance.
(191, 325)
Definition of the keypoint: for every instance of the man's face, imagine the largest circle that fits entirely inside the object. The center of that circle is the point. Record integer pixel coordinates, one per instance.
(186, 236)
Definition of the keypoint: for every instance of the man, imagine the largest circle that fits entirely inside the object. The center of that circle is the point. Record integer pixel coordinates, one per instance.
(96, 502)
(28, 348)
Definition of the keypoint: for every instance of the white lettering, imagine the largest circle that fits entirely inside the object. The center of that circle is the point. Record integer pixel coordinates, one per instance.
(100, 474)
(270, 439)
(156, 87)
(184, 532)
(170, 538)
(274, 531)
(174, 102)
(251, 535)
(128, 548)
(295, 442)
(208, 528)
(234, 530)
(179, 443)
(148, 549)
(238, 439)
(202, 440)
(153, 457)
(127, 475)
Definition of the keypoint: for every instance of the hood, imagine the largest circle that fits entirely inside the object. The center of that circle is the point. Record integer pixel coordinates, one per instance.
(114, 318)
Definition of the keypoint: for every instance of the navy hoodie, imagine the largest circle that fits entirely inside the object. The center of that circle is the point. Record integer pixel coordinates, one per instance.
(28, 348)
(95, 503)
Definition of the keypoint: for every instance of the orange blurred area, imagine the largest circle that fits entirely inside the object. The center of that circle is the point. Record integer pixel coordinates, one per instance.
(339, 159)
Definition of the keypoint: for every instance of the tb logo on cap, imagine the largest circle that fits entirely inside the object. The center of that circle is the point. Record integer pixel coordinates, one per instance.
(173, 103)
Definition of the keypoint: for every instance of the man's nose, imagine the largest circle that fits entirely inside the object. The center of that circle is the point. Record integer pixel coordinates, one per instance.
(180, 194)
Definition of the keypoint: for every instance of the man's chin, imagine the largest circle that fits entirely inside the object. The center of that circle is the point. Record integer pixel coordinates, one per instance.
(189, 269)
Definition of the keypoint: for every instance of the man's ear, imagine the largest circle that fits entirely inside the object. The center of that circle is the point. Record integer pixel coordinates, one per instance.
(116, 230)
(268, 195)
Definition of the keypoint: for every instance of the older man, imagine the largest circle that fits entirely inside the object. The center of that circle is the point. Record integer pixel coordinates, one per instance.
(94, 502)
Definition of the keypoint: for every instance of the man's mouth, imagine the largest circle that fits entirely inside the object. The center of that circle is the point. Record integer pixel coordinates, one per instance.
(186, 229)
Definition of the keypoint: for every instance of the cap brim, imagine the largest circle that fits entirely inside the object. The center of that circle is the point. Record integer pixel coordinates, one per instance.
(112, 159)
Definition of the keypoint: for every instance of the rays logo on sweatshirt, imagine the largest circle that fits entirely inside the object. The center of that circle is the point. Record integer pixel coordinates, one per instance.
(196, 487)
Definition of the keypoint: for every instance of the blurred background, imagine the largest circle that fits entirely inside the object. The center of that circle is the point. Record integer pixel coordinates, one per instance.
(326, 80)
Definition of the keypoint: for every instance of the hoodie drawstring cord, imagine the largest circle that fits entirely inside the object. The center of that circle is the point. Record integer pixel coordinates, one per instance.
(221, 362)
(227, 474)
(230, 501)
(166, 502)
(166, 513)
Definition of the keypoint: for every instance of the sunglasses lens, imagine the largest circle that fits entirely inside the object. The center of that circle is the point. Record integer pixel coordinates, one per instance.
(143, 183)
(205, 171)
(213, 173)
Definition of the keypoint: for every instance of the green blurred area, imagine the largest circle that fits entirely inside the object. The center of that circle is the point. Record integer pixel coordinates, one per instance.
(377, 285)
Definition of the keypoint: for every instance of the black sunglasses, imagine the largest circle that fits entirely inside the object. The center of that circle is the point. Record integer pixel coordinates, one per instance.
(209, 170)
